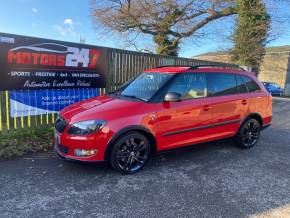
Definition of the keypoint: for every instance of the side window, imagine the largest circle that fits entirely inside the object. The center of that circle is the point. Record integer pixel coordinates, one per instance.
(251, 84)
(189, 85)
(221, 84)
(242, 88)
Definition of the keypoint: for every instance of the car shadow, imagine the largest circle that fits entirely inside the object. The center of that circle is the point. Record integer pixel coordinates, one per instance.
(197, 152)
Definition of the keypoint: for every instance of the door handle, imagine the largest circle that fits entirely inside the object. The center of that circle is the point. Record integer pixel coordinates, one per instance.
(206, 107)
(244, 102)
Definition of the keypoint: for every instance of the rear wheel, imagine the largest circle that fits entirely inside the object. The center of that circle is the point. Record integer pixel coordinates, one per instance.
(130, 153)
(248, 134)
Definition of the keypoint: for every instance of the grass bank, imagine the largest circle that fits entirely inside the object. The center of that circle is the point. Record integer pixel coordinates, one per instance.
(15, 143)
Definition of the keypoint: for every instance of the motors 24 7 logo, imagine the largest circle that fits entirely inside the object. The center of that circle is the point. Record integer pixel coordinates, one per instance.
(53, 55)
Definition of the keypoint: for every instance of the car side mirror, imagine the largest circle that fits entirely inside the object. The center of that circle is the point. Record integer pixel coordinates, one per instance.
(172, 97)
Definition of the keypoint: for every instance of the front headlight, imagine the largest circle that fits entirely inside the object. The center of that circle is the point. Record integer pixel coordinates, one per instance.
(86, 127)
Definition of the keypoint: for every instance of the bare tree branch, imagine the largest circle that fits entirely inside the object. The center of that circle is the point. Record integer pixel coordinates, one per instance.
(167, 21)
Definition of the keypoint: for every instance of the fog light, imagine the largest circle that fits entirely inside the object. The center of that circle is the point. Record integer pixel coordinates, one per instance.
(85, 153)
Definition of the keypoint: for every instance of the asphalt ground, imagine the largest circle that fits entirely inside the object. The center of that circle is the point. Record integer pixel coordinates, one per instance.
(209, 180)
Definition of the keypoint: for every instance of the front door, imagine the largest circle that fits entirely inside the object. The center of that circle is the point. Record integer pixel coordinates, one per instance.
(188, 121)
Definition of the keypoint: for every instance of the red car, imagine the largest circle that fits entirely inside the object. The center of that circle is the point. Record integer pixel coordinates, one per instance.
(161, 109)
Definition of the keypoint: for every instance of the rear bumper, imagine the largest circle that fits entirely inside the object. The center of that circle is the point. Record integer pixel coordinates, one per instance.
(276, 92)
(266, 126)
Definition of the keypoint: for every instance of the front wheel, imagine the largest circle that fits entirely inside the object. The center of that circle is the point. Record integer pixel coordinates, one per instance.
(248, 134)
(130, 153)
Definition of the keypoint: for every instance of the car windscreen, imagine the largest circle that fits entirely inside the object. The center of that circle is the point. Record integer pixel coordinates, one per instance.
(146, 85)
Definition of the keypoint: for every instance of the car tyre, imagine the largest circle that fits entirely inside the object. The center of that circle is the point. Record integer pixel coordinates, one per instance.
(130, 153)
(248, 134)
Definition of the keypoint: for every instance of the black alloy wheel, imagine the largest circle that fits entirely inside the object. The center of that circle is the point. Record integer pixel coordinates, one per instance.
(130, 153)
(249, 134)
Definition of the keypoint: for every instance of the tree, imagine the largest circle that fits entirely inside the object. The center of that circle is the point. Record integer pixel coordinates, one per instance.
(167, 21)
(250, 36)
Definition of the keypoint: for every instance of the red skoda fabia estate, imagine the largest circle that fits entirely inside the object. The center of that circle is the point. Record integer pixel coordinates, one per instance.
(161, 109)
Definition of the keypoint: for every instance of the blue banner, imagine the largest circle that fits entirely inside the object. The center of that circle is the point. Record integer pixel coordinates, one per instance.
(36, 102)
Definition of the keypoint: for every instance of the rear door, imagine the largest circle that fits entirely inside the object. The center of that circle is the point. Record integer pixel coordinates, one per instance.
(228, 106)
(257, 99)
(187, 121)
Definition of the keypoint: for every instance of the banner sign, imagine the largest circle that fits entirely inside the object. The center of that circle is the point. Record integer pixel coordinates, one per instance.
(35, 63)
(36, 102)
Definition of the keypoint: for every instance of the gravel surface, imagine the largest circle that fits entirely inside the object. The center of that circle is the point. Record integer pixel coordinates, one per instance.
(209, 180)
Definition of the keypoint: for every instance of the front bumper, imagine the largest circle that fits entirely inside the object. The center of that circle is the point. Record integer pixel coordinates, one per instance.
(66, 145)
(72, 158)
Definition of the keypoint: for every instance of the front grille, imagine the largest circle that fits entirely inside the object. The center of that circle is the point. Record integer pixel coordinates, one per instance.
(63, 149)
(60, 124)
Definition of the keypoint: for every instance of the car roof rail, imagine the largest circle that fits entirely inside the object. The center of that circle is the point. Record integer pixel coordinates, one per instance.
(230, 66)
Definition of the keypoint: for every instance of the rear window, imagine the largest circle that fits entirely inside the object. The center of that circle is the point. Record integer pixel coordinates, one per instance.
(251, 84)
(221, 84)
(242, 88)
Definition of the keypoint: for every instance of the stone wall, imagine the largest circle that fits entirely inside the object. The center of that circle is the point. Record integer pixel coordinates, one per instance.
(275, 68)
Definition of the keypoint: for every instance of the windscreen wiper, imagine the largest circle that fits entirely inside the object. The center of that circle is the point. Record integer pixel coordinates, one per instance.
(133, 96)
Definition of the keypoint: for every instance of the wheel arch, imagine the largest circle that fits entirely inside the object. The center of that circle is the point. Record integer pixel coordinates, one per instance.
(237, 136)
(134, 128)
(256, 116)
